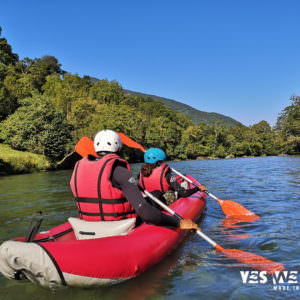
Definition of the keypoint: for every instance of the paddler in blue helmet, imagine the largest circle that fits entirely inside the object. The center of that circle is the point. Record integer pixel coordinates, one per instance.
(156, 177)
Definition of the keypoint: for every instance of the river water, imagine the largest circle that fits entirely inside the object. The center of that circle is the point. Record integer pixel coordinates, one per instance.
(268, 186)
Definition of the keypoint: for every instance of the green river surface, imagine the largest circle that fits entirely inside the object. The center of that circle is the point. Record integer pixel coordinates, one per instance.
(268, 186)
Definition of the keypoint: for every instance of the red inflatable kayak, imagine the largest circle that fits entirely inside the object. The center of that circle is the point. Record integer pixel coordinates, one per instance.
(56, 258)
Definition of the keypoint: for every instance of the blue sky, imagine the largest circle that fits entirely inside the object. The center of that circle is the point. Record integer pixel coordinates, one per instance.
(238, 58)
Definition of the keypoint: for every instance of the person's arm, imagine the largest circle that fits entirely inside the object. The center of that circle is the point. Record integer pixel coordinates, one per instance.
(182, 192)
(122, 178)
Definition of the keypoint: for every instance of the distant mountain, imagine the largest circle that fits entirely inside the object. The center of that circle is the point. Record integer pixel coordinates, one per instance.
(195, 115)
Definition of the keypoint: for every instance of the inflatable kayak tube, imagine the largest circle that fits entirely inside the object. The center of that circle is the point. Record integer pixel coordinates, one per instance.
(56, 258)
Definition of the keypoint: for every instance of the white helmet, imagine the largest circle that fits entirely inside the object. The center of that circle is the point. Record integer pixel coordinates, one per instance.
(107, 141)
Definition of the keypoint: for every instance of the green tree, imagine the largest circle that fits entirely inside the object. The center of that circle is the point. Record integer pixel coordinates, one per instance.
(7, 57)
(64, 92)
(105, 91)
(23, 80)
(132, 101)
(288, 126)
(220, 152)
(265, 139)
(83, 110)
(121, 118)
(37, 127)
(194, 142)
(218, 133)
(240, 149)
(165, 132)
(8, 102)
(19, 85)
(43, 67)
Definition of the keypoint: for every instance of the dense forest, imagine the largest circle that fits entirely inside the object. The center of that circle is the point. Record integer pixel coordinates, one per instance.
(45, 110)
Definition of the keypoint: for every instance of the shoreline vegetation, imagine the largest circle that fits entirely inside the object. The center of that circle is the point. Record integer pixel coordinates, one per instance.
(18, 162)
(45, 110)
(13, 162)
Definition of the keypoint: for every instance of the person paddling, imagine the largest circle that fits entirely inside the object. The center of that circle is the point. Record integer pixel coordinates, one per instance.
(105, 190)
(157, 178)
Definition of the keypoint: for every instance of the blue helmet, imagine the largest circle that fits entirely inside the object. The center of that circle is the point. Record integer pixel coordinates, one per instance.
(154, 155)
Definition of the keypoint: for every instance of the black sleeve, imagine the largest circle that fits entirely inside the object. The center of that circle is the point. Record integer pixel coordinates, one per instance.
(182, 192)
(123, 179)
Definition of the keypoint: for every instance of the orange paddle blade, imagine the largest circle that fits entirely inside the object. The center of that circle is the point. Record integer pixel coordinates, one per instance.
(129, 142)
(252, 260)
(85, 146)
(232, 208)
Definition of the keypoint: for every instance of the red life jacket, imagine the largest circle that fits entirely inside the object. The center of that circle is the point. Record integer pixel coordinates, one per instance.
(96, 198)
(157, 180)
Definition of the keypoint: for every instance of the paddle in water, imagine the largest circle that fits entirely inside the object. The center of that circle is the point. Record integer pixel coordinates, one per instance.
(229, 207)
(255, 261)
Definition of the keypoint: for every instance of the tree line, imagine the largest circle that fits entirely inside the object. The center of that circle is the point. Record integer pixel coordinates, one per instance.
(45, 110)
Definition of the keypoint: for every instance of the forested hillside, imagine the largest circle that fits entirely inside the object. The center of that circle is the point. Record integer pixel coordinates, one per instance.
(46, 110)
(195, 115)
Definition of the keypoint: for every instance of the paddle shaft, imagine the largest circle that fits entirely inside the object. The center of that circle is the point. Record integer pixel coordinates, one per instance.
(253, 260)
(190, 181)
(173, 213)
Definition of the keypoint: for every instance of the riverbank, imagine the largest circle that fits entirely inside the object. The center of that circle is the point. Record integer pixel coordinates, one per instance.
(19, 162)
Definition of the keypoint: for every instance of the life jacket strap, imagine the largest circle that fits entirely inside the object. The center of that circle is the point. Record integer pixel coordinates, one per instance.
(102, 200)
(124, 214)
